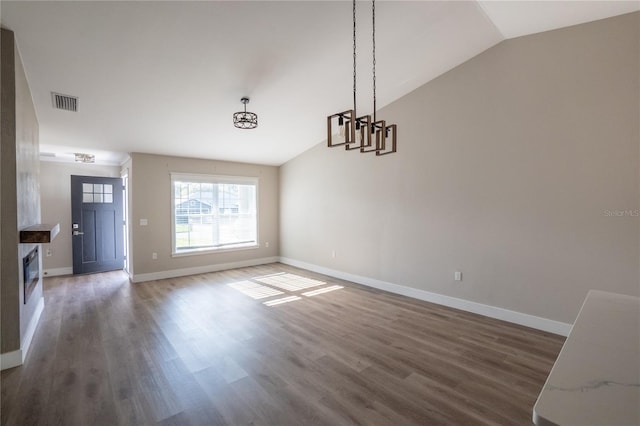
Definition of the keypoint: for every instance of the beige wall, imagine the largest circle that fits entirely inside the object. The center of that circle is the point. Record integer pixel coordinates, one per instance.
(506, 168)
(55, 188)
(2, 138)
(151, 200)
(20, 194)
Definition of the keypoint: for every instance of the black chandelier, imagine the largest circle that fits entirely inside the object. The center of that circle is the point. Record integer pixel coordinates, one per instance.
(364, 133)
(244, 119)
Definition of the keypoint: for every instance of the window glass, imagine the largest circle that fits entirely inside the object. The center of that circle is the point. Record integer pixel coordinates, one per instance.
(213, 213)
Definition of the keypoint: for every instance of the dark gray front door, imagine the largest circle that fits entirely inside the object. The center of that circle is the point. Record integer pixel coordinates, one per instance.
(97, 224)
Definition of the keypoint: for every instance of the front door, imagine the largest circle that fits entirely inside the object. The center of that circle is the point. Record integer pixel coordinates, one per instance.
(97, 224)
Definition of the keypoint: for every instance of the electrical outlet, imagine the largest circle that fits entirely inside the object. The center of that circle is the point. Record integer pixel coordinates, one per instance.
(266, 244)
(154, 256)
(457, 276)
(49, 253)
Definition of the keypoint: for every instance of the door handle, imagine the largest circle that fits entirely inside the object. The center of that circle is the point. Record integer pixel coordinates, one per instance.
(78, 233)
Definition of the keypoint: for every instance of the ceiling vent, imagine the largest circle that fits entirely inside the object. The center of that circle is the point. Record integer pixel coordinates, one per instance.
(65, 102)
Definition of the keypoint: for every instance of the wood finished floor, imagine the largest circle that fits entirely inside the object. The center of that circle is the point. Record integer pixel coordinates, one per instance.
(198, 351)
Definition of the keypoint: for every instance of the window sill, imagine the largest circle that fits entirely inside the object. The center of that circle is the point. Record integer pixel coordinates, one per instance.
(208, 250)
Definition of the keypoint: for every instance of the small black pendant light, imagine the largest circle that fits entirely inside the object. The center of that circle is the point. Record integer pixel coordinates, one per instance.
(244, 119)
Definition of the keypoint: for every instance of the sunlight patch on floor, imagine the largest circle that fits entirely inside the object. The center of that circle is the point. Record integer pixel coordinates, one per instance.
(254, 290)
(290, 282)
(322, 290)
(280, 301)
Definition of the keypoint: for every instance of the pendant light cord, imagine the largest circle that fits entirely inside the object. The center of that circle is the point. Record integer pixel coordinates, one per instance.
(373, 13)
(354, 57)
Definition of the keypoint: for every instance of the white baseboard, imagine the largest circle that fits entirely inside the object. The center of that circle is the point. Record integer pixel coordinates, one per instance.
(10, 359)
(138, 278)
(527, 320)
(16, 358)
(56, 272)
(31, 329)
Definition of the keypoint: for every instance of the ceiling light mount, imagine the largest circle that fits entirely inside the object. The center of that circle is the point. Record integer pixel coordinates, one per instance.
(244, 119)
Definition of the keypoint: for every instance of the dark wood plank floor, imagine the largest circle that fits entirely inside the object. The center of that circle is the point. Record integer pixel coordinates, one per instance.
(261, 346)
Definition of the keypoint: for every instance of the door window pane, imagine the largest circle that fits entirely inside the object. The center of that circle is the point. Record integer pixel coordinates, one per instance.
(97, 193)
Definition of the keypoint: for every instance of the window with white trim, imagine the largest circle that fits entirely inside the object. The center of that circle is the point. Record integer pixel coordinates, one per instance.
(213, 212)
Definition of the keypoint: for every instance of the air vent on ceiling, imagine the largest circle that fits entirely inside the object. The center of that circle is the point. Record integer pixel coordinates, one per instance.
(65, 102)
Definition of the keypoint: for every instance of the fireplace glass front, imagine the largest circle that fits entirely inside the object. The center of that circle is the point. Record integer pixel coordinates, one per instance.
(31, 266)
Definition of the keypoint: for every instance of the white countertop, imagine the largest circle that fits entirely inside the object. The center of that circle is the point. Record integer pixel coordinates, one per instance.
(596, 378)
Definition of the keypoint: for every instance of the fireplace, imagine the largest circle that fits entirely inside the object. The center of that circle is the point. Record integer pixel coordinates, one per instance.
(31, 267)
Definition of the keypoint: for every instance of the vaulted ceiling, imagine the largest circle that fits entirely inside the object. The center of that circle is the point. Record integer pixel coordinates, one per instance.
(165, 77)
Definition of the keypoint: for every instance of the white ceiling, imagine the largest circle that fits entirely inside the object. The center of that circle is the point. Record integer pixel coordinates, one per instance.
(165, 77)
